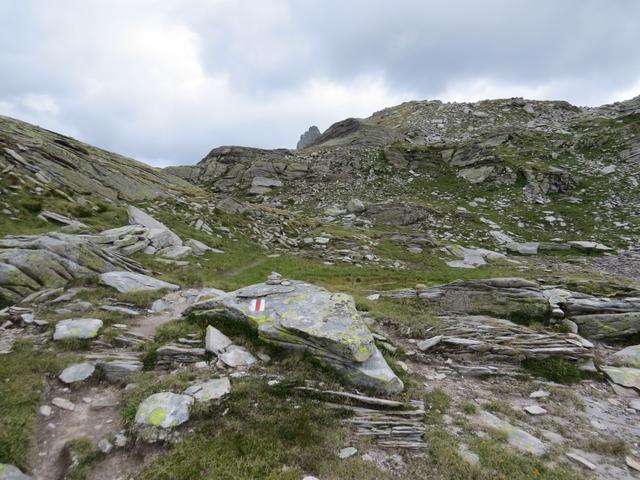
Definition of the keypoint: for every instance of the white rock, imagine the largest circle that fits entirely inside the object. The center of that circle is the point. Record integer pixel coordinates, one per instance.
(535, 410)
(236, 356)
(539, 394)
(45, 411)
(347, 452)
(105, 446)
(211, 390)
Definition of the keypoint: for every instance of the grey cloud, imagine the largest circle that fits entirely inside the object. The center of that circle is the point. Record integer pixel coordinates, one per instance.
(167, 80)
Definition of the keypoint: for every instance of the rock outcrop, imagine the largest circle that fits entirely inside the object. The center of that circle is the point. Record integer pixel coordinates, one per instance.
(309, 137)
(301, 316)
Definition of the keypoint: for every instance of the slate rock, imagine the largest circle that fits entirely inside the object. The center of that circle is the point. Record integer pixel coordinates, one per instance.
(160, 235)
(126, 282)
(216, 341)
(628, 357)
(10, 472)
(212, 390)
(237, 357)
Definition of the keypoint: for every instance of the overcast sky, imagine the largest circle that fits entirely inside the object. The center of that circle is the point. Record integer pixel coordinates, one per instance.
(164, 81)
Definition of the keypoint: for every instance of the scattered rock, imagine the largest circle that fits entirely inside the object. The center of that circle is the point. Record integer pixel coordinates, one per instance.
(212, 390)
(126, 282)
(164, 410)
(216, 341)
(77, 372)
(347, 452)
(63, 403)
(82, 328)
(580, 460)
(10, 472)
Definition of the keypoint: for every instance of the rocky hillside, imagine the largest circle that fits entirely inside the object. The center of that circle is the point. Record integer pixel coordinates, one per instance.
(437, 291)
(52, 161)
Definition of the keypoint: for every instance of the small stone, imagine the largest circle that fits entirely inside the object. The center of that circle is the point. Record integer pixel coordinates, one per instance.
(581, 460)
(64, 404)
(347, 452)
(211, 390)
(120, 440)
(535, 410)
(236, 356)
(425, 345)
(45, 411)
(539, 394)
(10, 472)
(105, 446)
(632, 462)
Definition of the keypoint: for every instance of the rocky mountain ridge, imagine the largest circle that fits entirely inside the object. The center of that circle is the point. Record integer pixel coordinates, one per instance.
(436, 291)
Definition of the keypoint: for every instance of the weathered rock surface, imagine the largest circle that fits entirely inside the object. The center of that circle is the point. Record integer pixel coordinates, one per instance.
(9, 472)
(623, 376)
(126, 282)
(516, 437)
(512, 298)
(164, 410)
(82, 328)
(302, 316)
(628, 357)
(35, 262)
(216, 341)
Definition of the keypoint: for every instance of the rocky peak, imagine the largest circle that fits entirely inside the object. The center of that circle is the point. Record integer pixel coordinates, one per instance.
(308, 138)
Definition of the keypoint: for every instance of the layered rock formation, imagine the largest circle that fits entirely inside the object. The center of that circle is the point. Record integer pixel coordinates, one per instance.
(301, 316)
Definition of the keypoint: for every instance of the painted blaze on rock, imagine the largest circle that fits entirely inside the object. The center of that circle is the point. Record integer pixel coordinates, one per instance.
(164, 409)
(301, 316)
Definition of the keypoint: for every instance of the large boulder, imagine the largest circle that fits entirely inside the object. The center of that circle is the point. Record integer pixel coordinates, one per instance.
(513, 298)
(126, 282)
(301, 316)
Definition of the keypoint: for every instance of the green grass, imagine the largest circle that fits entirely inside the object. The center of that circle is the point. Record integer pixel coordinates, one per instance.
(81, 457)
(555, 369)
(264, 435)
(497, 461)
(22, 374)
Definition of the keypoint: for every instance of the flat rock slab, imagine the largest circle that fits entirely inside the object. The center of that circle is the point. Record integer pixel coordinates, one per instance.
(628, 357)
(624, 376)
(10, 472)
(237, 357)
(164, 410)
(126, 282)
(82, 328)
(161, 236)
(516, 437)
(77, 372)
(211, 390)
(215, 341)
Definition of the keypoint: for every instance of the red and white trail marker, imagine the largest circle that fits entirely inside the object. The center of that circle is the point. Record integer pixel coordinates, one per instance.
(257, 304)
